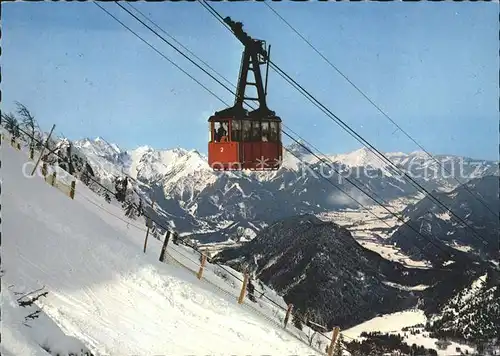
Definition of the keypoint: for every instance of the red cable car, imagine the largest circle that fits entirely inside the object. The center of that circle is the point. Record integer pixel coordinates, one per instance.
(241, 139)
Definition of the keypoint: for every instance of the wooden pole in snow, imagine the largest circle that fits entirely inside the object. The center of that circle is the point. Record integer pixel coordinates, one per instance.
(289, 310)
(53, 178)
(72, 190)
(44, 169)
(243, 288)
(149, 226)
(202, 266)
(164, 248)
(335, 334)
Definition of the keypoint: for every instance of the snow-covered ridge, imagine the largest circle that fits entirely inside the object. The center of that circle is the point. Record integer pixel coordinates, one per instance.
(144, 161)
(149, 164)
(363, 157)
(406, 324)
(473, 314)
(208, 201)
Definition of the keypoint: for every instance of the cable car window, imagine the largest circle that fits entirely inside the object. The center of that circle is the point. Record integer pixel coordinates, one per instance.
(220, 131)
(265, 131)
(210, 132)
(273, 131)
(247, 130)
(256, 135)
(236, 134)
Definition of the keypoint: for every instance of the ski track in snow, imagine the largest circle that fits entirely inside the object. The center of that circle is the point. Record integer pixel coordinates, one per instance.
(105, 291)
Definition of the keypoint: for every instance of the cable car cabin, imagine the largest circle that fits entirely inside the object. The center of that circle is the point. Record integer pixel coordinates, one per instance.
(240, 139)
(249, 143)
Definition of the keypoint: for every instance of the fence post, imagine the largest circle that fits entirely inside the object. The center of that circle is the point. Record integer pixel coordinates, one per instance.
(335, 334)
(148, 226)
(147, 234)
(243, 288)
(44, 169)
(32, 153)
(287, 316)
(72, 190)
(53, 181)
(202, 265)
(164, 247)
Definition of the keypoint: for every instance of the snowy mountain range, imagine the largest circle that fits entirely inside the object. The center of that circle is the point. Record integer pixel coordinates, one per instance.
(215, 206)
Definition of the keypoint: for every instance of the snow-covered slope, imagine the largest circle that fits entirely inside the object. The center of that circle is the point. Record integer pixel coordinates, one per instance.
(28, 331)
(103, 290)
(410, 325)
(214, 205)
(473, 314)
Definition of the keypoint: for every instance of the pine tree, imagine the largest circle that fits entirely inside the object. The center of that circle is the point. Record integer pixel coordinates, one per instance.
(154, 230)
(140, 209)
(71, 168)
(130, 210)
(27, 121)
(338, 346)
(121, 189)
(251, 290)
(38, 141)
(296, 320)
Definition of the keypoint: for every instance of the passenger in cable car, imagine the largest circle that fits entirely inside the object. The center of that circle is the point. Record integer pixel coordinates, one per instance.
(265, 131)
(273, 131)
(247, 130)
(224, 129)
(220, 133)
(236, 134)
(256, 133)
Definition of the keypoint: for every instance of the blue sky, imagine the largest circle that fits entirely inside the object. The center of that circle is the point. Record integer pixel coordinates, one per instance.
(433, 67)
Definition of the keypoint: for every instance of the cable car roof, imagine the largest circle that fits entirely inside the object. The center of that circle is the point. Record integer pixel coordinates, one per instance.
(217, 118)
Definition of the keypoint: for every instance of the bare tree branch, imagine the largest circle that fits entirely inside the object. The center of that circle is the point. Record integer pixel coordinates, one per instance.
(28, 121)
(11, 124)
